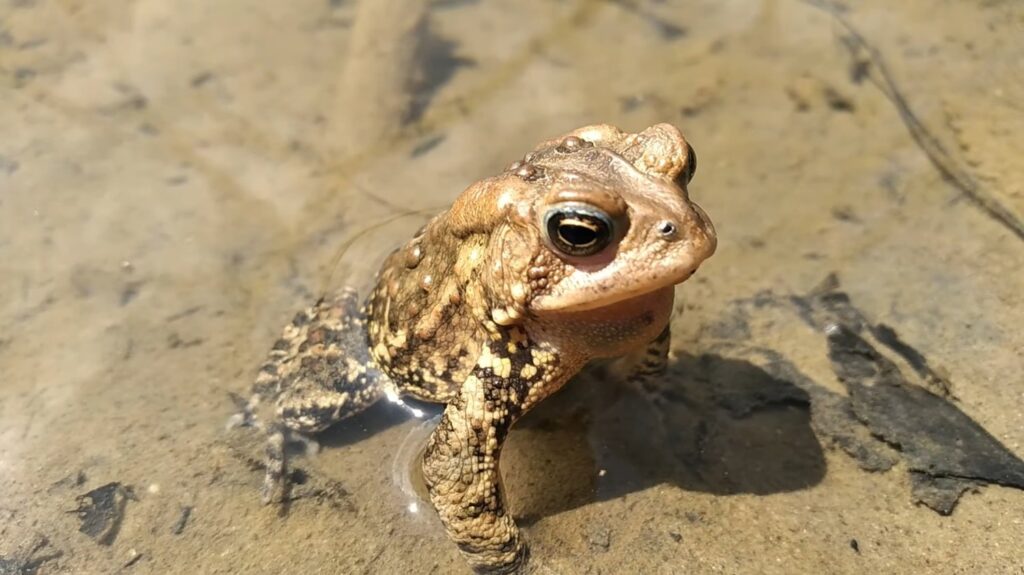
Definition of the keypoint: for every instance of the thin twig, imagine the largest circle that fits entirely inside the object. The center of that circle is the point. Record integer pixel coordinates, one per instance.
(879, 75)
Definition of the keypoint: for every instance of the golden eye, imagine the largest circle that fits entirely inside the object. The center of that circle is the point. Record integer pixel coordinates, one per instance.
(578, 230)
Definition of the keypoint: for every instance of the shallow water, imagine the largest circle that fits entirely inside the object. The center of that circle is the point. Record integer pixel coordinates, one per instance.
(177, 179)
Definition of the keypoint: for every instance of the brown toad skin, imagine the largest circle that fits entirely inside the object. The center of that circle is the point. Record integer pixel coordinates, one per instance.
(481, 311)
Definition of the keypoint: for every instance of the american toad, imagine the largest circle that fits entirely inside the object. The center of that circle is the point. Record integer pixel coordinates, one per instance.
(569, 255)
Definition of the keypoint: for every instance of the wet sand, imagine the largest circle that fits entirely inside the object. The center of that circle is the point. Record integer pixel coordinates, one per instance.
(176, 180)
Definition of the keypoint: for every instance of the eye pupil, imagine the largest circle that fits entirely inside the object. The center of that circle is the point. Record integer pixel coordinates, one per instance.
(578, 231)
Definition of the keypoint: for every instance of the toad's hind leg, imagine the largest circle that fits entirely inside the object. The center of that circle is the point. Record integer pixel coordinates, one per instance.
(301, 413)
(318, 373)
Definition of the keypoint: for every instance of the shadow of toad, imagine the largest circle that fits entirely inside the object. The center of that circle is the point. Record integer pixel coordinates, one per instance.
(714, 424)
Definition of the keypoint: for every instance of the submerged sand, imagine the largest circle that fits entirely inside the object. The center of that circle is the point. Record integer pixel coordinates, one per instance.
(176, 180)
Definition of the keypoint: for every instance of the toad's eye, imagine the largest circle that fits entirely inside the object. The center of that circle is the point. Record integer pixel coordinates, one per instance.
(578, 230)
(686, 175)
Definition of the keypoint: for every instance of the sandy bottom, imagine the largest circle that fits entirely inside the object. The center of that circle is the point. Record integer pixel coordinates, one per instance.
(178, 178)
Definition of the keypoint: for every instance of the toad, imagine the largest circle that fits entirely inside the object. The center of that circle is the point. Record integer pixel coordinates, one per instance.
(569, 255)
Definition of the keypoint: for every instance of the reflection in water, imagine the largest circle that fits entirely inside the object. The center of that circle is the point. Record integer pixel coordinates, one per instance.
(406, 467)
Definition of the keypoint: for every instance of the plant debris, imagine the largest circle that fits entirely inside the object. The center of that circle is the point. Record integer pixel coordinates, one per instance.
(947, 451)
(102, 510)
(179, 525)
(885, 417)
(28, 560)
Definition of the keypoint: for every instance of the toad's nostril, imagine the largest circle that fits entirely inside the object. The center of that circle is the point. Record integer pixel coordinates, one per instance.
(667, 229)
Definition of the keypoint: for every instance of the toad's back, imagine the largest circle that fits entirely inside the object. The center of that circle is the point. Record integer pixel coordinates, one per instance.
(421, 324)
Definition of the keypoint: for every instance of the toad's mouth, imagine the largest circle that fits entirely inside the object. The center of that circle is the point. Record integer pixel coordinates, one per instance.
(588, 295)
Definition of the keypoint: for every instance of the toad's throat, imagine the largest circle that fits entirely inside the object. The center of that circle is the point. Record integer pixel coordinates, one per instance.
(613, 328)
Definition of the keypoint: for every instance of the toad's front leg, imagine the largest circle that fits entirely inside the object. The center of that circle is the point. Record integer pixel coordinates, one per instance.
(460, 467)
(461, 461)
